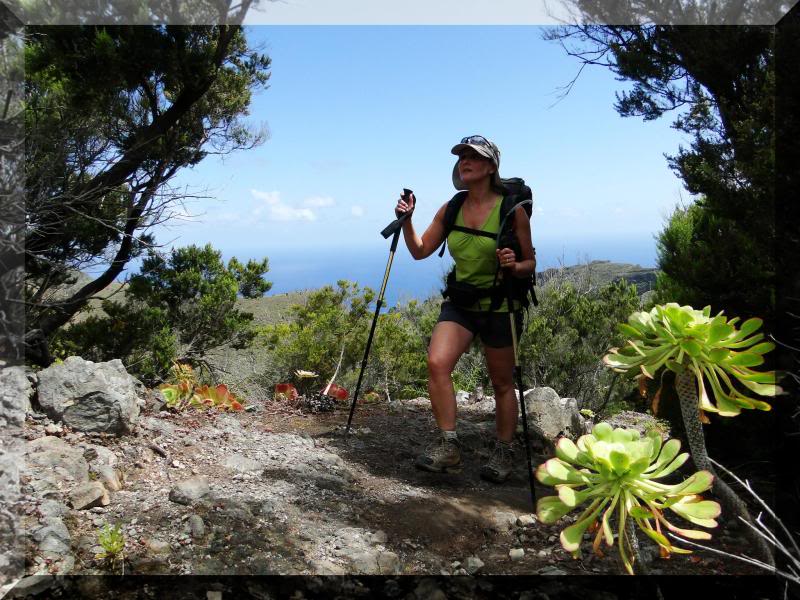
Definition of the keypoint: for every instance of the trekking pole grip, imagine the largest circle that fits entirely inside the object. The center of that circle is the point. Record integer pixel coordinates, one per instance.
(395, 225)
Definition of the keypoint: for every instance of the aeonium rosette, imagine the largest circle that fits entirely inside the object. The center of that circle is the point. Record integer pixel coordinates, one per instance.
(711, 348)
(615, 472)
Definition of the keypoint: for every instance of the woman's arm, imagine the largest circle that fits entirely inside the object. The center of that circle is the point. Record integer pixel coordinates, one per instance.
(524, 265)
(423, 247)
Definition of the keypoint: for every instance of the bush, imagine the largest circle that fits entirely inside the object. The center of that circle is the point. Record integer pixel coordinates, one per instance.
(178, 308)
(568, 334)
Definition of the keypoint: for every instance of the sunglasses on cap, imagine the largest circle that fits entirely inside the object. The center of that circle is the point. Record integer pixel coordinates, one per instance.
(478, 140)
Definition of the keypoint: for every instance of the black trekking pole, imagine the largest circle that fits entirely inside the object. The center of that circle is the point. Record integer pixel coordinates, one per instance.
(518, 378)
(394, 229)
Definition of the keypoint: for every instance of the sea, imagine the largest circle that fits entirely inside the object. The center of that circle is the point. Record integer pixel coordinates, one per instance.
(408, 279)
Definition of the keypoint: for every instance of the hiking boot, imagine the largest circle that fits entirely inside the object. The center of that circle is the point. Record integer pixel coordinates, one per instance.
(500, 464)
(443, 456)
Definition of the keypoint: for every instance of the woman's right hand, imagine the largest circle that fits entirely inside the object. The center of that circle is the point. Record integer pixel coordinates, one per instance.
(404, 204)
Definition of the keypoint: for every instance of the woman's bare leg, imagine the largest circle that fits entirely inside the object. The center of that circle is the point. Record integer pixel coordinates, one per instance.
(500, 362)
(449, 341)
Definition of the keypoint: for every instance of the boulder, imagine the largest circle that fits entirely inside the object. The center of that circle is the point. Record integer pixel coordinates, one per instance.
(15, 396)
(552, 416)
(87, 396)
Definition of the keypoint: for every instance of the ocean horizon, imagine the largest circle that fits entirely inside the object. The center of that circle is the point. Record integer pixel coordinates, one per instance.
(312, 268)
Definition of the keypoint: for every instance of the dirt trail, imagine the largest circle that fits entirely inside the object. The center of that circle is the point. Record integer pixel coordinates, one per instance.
(288, 494)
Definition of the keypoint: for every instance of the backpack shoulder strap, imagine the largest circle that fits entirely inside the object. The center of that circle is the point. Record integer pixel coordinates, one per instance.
(450, 215)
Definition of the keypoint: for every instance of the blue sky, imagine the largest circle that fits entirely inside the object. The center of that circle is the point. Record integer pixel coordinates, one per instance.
(356, 113)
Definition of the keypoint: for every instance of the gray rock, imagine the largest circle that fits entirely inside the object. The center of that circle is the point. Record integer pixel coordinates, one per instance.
(89, 494)
(190, 491)
(516, 554)
(107, 475)
(551, 570)
(89, 396)
(158, 426)
(96, 454)
(327, 567)
(53, 527)
(641, 422)
(241, 464)
(32, 586)
(52, 508)
(462, 398)
(51, 456)
(15, 396)
(551, 416)
(526, 520)
(388, 563)
(53, 428)
(503, 521)
(366, 563)
(473, 564)
(158, 546)
(197, 526)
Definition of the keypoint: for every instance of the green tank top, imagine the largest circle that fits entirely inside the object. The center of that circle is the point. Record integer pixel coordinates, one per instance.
(475, 258)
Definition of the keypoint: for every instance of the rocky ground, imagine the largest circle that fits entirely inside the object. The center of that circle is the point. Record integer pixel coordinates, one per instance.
(274, 491)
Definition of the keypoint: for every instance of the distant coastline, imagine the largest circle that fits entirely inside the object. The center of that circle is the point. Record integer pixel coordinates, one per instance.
(291, 271)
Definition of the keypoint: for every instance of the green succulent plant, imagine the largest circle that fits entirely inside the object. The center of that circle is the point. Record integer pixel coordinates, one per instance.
(112, 540)
(615, 472)
(681, 339)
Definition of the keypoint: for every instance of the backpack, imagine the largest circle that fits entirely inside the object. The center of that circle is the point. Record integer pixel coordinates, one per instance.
(517, 194)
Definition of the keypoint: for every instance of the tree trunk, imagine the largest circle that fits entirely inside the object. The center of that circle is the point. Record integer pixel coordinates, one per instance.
(686, 387)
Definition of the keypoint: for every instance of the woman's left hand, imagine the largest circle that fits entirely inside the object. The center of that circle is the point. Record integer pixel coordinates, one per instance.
(506, 257)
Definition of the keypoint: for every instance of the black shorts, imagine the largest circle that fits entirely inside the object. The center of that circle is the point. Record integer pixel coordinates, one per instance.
(494, 328)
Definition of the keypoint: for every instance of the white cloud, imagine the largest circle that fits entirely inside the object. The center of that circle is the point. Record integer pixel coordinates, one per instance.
(319, 201)
(288, 213)
(267, 197)
(357, 211)
(276, 210)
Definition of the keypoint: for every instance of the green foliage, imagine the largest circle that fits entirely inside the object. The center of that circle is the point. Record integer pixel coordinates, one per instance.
(313, 337)
(567, 335)
(335, 322)
(399, 366)
(112, 115)
(616, 470)
(112, 540)
(677, 338)
(722, 79)
(181, 306)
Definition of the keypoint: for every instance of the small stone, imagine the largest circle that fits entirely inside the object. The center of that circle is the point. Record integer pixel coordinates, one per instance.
(87, 495)
(473, 564)
(197, 526)
(157, 546)
(53, 428)
(516, 554)
(526, 520)
(503, 521)
(189, 491)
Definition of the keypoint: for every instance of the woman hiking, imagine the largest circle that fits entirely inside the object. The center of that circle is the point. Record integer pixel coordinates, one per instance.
(467, 315)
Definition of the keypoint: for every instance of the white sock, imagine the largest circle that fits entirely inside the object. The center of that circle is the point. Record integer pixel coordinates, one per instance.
(450, 436)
